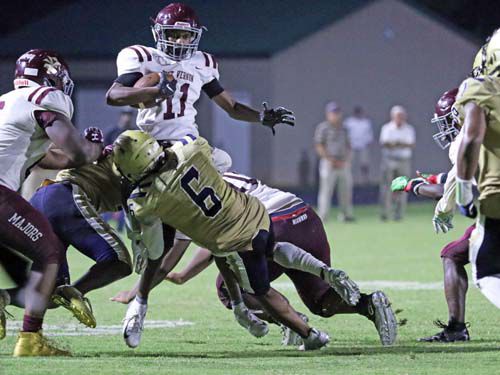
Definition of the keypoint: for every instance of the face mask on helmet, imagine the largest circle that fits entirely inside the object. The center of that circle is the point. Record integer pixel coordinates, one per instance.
(179, 41)
(61, 81)
(447, 131)
(445, 120)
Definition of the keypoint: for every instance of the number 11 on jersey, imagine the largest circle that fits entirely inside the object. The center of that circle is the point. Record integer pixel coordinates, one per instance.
(182, 100)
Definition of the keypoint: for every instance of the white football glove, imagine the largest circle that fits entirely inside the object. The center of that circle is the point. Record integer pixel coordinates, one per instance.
(249, 321)
(442, 222)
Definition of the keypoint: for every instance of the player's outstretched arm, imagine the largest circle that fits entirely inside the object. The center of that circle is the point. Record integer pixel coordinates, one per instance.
(200, 261)
(268, 117)
(79, 149)
(236, 110)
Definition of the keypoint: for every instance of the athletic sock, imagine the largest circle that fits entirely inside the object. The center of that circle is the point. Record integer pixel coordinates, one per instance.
(290, 256)
(32, 323)
(141, 300)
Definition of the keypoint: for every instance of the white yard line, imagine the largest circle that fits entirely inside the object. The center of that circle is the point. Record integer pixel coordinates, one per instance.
(74, 329)
(381, 284)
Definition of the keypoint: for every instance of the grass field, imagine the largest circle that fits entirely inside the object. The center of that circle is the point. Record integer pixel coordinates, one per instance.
(371, 251)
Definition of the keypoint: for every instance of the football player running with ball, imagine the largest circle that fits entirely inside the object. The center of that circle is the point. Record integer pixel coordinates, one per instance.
(32, 117)
(166, 110)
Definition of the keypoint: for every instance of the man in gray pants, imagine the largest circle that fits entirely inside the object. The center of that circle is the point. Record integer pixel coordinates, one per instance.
(397, 139)
(332, 146)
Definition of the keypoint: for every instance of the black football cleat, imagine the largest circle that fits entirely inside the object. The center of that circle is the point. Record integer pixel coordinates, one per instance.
(448, 334)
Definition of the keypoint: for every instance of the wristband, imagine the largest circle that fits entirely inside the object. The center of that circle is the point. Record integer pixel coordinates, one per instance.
(464, 191)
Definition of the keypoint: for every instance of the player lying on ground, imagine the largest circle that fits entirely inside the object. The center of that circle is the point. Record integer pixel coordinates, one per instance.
(73, 204)
(32, 117)
(180, 188)
(478, 105)
(296, 223)
(455, 255)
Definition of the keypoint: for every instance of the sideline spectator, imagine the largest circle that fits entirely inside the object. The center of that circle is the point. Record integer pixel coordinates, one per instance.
(360, 136)
(397, 139)
(126, 121)
(332, 146)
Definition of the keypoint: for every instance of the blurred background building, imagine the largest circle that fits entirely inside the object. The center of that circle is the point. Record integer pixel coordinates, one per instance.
(293, 53)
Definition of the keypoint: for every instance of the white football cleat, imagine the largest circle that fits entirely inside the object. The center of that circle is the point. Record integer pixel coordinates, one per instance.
(133, 323)
(343, 285)
(249, 320)
(292, 338)
(316, 340)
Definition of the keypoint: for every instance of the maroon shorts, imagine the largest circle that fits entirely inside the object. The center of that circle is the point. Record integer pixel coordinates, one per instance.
(27, 231)
(302, 227)
(459, 250)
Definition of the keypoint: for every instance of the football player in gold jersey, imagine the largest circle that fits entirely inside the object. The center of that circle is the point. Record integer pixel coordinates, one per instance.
(478, 107)
(72, 204)
(179, 188)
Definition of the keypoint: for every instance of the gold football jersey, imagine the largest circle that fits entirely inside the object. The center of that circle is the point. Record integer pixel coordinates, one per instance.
(195, 199)
(485, 92)
(98, 181)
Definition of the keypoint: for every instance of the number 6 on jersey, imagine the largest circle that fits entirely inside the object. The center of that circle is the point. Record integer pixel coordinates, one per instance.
(210, 207)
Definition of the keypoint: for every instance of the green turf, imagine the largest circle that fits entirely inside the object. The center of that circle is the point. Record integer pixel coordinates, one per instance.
(215, 344)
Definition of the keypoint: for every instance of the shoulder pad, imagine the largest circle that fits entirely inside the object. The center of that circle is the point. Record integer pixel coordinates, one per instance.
(52, 99)
(130, 59)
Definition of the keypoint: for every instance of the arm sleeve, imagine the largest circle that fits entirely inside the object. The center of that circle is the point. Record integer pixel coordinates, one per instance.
(129, 79)
(212, 88)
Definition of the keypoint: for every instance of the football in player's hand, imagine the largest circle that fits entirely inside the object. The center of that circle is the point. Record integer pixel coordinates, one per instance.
(149, 80)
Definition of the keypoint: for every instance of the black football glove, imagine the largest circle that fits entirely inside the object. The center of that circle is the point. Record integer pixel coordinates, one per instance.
(167, 84)
(274, 116)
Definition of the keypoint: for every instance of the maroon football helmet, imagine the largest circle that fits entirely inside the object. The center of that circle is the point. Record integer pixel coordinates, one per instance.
(43, 67)
(169, 21)
(444, 119)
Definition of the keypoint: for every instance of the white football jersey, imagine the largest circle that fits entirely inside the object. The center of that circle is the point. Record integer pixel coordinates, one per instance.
(174, 118)
(23, 142)
(273, 199)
